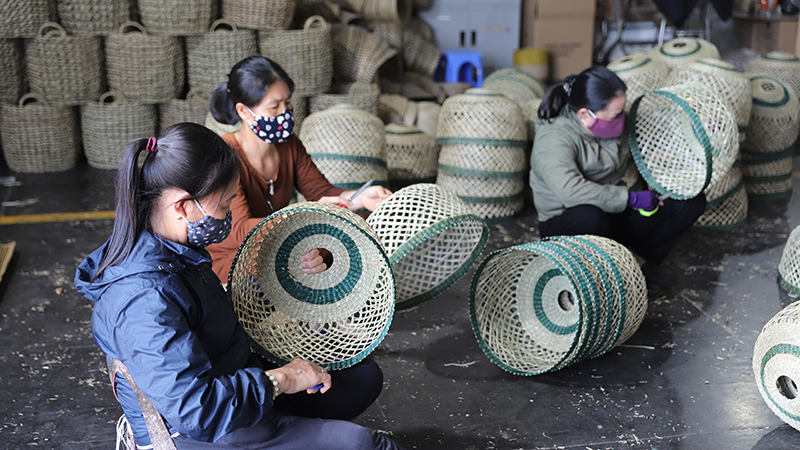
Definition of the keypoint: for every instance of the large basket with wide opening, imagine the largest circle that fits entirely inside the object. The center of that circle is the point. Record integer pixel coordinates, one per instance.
(93, 17)
(683, 137)
(362, 95)
(640, 73)
(210, 56)
(432, 239)
(683, 50)
(177, 17)
(776, 364)
(334, 318)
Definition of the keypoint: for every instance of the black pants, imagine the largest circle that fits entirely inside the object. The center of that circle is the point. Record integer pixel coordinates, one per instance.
(649, 237)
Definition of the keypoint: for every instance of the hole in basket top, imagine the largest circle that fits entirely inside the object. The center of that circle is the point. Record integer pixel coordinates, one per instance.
(565, 300)
(680, 44)
(767, 86)
(787, 387)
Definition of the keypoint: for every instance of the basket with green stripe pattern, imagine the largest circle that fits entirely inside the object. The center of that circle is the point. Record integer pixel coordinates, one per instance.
(775, 116)
(780, 65)
(533, 84)
(640, 73)
(789, 266)
(432, 239)
(726, 203)
(683, 50)
(776, 364)
(334, 318)
(411, 155)
(515, 85)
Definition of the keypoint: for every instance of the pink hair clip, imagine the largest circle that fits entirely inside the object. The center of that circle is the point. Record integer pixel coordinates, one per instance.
(151, 145)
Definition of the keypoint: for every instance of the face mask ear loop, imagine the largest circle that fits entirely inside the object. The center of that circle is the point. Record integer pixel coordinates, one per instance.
(201, 208)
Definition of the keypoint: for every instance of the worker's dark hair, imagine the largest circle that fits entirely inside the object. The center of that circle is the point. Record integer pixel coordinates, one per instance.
(247, 83)
(186, 156)
(592, 89)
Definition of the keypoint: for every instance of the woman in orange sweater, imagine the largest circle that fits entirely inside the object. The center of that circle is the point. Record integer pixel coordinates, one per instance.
(273, 161)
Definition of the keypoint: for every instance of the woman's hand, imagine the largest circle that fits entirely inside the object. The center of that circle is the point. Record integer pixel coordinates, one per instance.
(371, 198)
(313, 262)
(301, 375)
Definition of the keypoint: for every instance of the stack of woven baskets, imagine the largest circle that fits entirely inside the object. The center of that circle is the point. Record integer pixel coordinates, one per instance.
(516, 85)
(348, 146)
(542, 306)
(683, 50)
(640, 73)
(483, 152)
(789, 267)
(411, 155)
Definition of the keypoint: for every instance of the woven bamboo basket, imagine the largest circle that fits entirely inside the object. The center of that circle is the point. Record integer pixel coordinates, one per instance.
(776, 364)
(308, 8)
(260, 14)
(413, 81)
(724, 79)
(110, 124)
(210, 56)
(682, 138)
(640, 73)
(93, 17)
(351, 173)
(545, 305)
(299, 111)
(334, 318)
(451, 89)
(361, 95)
(530, 112)
(64, 69)
(391, 32)
(768, 178)
(12, 81)
(411, 155)
(428, 117)
(432, 239)
(357, 53)
(384, 10)
(142, 67)
(193, 109)
(789, 266)
(632, 179)
(420, 55)
(304, 54)
(726, 203)
(222, 128)
(30, 147)
(22, 18)
(775, 118)
(783, 66)
(392, 108)
(683, 50)
(534, 84)
(177, 17)
(513, 89)
(482, 115)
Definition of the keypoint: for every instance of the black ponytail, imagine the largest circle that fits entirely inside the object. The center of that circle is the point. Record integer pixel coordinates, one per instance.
(592, 89)
(186, 156)
(247, 83)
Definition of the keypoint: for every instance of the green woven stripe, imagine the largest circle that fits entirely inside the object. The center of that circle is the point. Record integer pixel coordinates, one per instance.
(754, 156)
(778, 349)
(770, 179)
(725, 196)
(423, 236)
(794, 58)
(353, 158)
(305, 293)
(645, 61)
(776, 196)
(480, 173)
(538, 306)
(789, 287)
(490, 200)
(779, 103)
(716, 66)
(403, 133)
(697, 129)
(482, 141)
(661, 49)
(354, 186)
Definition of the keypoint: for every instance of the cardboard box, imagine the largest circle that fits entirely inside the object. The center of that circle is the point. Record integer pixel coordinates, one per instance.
(565, 28)
(605, 10)
(765, 34)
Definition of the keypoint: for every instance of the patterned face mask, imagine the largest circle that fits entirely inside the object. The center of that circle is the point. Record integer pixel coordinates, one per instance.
(273, 130)
(208, 230)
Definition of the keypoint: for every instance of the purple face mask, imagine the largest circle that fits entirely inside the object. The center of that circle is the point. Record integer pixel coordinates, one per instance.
(606, 129)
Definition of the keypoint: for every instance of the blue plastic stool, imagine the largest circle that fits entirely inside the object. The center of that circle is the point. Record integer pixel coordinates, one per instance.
(460, 65)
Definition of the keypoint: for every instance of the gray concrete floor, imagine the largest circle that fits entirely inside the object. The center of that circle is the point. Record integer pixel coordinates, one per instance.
(683, 381)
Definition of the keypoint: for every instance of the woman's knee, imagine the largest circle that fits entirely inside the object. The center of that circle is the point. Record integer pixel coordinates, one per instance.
(587, 219)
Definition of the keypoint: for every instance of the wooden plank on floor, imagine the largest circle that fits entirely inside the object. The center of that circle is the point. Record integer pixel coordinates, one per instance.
(6, 251)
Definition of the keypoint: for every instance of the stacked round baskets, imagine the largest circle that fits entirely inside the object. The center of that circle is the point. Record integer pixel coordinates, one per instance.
(108, 126)
(530, 112)
(144, 67)
(781, 65)
(260, 14)
(210, 56)
(64, 69)
(776, 364)
(357, 53)
(304, 54)
(95, 17)
(334, 318)
(726, 203)
(193, 109)
(789, 267)
(432, 239)
(483, 147)
(37, 137)
(362, 95)
(722, 78)
(348, 146)
(12, 81)
(767, 150)
(683, 137)
(411, 155)
(640, 73)
(516, 85)
(541, 306)
(683, 50)
(177, 17)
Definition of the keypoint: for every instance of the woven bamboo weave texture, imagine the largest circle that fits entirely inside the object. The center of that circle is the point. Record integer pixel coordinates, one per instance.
(210, 56)
(775, 117)
(260, 14)
(357, 53)
(789, 266)
(683, 50)
(92, 17)
(781, 65)
(730, 213)
(640, 73)
(22, 18)
(177, 17)
(12, 80)
(419, 55)
(362, 95)
(410, 153)
(193, 109)
(384, 10)
(534, 83)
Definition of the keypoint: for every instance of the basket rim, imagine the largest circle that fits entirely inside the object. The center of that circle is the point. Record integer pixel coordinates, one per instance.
(779, 103)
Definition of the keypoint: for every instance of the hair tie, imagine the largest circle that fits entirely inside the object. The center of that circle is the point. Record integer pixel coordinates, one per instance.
(568, 82)
(151, 145)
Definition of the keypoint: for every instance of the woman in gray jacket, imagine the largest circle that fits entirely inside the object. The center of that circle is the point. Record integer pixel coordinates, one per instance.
(579, 157)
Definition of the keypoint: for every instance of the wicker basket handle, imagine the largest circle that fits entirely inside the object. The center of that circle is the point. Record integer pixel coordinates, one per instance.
(115, 95)
(31, 96)
(315, 20)
(54, 30)
(223, 21)
(199, 92)
(128, 24)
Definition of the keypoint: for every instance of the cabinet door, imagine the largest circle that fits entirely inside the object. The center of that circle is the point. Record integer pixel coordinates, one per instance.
(450, 25)
(494, 32)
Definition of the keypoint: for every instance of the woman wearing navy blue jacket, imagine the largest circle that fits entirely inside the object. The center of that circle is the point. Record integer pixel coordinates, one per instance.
(160, 309)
